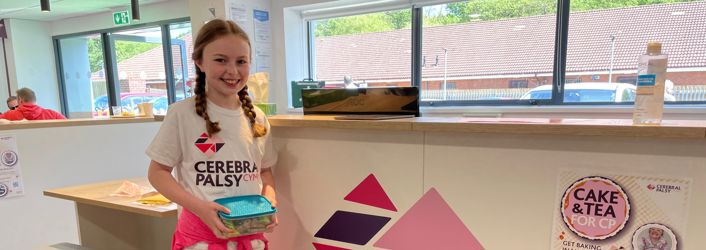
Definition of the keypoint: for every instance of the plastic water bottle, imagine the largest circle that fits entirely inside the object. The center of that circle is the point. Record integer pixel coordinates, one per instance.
(651, 73)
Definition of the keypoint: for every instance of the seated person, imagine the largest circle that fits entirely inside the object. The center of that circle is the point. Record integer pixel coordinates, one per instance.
(29, 110)
(12, 102)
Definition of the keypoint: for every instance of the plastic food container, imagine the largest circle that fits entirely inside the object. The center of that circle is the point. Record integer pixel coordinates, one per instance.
(249, 214)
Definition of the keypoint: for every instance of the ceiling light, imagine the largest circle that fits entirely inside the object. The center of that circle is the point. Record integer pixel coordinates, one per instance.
(135, 10)
(45, 5)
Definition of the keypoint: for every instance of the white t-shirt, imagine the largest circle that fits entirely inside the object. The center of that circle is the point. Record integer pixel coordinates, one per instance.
(227, 164)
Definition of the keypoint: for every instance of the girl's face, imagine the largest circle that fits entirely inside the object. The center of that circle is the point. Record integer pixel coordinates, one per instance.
(226, 63)
(655, 233)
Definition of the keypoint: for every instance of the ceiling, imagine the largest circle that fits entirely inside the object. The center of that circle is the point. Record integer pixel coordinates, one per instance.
(60, 9)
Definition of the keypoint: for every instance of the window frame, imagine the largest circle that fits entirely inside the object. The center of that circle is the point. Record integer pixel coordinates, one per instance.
(110, 63)
(559, 75)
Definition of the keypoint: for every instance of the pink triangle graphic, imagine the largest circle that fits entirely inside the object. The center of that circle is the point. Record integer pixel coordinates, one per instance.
(370, 192)
(319, 246)
(429, 224)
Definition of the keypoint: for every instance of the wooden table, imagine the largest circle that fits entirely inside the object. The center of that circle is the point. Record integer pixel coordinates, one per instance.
(112, 222)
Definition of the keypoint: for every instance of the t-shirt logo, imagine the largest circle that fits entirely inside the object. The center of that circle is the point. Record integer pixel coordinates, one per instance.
(209, 146)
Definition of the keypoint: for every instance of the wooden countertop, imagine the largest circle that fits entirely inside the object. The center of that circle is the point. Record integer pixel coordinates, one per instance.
(542, 126)
(71, 122)
(98, 194)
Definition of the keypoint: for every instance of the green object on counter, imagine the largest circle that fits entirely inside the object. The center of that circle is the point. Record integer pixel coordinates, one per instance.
(268, 108)
(297, 87)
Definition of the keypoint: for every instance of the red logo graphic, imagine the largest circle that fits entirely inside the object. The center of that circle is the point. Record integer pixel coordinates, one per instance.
(650, 187)
(209, 146)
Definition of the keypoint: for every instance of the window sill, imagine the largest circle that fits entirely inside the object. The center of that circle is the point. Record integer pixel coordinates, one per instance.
(676, 112)
(685, 112)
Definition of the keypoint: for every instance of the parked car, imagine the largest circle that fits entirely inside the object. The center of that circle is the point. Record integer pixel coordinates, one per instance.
(591, 92)
(128, 101)
(160, 105)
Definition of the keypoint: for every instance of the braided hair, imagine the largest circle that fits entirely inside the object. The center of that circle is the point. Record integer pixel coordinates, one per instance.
(209, 33)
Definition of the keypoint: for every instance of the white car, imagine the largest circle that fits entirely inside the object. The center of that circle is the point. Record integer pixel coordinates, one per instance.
(591, 92)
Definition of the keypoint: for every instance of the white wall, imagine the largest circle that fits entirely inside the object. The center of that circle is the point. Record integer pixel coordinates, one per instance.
(149, 13)
(503, 187)
(67, 156)
(289, 50)
(31, 60)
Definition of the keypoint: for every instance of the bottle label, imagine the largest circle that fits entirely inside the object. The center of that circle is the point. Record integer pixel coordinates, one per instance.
(646, 84)
(646, 80)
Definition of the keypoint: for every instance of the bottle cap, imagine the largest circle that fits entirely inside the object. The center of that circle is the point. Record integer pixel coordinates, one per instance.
(654, 47)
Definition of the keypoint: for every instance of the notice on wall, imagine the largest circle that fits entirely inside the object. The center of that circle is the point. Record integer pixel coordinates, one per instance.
(261, 19)
(10, 171)
(238, 13)
(609, 211)
(263, 58)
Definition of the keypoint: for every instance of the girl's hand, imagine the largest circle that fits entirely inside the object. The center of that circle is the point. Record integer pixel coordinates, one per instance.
(207, 211)
(271, 199)
(271, 226)
(275, 221)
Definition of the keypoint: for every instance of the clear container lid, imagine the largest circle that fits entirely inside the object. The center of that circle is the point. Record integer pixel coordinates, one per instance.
(248, 206)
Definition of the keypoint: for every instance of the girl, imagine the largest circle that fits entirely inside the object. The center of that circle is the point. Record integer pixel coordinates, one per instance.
(655, 240)
(216, 142)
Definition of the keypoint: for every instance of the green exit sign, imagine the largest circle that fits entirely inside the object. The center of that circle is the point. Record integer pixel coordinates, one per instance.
(121, 18)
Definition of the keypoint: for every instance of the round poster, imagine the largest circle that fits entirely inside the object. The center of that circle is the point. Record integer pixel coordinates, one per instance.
(595, 208)
(654, 236)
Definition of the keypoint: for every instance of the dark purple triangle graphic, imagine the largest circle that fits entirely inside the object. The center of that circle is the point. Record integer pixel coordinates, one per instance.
(352, 227)
(219, 146)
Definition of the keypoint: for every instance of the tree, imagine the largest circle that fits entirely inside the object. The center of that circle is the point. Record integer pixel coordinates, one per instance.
(95, 54)
(375, 22)
(467, 11)
(123, 50)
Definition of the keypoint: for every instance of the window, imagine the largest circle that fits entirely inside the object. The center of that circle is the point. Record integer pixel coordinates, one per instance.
(573, 80)
(514, 84)
(84, 76)
(140, 61)
(492, 51)
(184, 76)
(508, 52)
(627, 79)
(135, 73)
(611, 51)
(363, 50)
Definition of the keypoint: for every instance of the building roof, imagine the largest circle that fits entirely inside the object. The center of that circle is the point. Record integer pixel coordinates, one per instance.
(522, 45)
(150, 64)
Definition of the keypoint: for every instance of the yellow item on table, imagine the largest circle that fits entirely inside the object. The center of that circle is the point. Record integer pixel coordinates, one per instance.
(157, 199)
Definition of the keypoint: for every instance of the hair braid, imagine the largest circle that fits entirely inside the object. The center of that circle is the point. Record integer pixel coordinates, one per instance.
(257, 129)
(201, 103)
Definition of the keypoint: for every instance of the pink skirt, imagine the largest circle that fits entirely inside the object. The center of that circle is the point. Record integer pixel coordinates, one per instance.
(192, 233)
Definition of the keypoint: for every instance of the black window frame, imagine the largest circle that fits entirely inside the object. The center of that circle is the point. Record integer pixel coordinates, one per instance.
(110, 63)
(558, 72)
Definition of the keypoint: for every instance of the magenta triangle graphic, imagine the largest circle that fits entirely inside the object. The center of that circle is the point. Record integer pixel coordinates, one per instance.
(203, 147)
(429, 224)
(370, 192)
(320, 246)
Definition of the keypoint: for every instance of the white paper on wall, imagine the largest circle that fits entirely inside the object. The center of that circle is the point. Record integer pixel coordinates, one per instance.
(10, 172)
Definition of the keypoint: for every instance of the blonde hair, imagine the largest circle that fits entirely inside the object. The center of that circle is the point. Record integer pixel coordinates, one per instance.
(211, 31)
